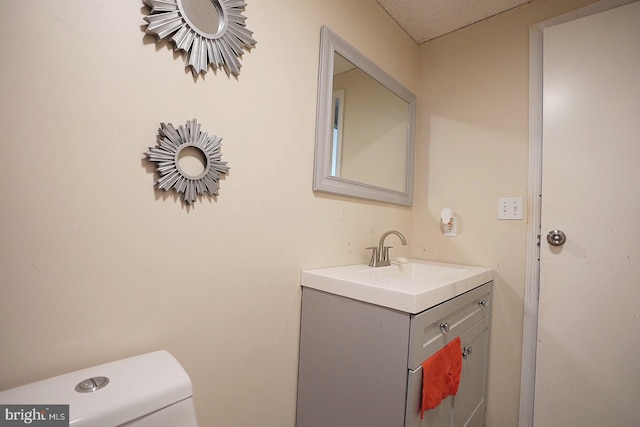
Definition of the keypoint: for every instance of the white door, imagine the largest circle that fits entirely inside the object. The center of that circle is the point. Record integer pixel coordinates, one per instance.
(588, 351)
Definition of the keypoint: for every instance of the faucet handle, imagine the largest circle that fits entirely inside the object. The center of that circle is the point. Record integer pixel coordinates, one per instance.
(373, 262)
(385, 253)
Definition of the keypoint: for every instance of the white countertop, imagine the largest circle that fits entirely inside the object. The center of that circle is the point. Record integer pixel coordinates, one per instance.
(411, 287)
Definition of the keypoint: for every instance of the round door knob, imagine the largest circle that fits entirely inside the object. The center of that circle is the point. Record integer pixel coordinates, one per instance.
(556, 238)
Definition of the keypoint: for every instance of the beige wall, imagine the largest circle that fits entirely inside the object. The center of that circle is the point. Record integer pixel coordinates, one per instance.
(96, 266)
(472, 148)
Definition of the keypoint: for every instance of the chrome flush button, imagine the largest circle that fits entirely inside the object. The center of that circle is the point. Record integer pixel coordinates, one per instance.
(92, 384)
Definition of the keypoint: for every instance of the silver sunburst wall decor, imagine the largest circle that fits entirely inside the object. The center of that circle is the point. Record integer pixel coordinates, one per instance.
(166, 155)
(209, 32)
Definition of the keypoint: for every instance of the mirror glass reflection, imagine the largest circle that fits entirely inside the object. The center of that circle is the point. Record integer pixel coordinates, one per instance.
(370, 129)
(191, 161)
(204, 15)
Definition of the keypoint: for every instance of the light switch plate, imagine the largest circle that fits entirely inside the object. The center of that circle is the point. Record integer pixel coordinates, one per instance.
(510, 208)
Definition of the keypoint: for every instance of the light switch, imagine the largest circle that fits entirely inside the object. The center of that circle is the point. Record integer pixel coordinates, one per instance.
(510, 208)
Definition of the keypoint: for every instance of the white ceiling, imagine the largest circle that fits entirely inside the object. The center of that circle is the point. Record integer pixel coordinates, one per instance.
(427, 19)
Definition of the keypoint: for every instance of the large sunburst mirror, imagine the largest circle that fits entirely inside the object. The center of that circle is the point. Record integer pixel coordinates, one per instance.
(188, 160)
(209, 32)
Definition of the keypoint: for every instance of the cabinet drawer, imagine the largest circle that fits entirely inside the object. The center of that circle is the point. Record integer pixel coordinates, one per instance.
(432, 329)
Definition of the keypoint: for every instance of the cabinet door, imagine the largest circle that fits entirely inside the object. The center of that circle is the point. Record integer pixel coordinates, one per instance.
(469, 403)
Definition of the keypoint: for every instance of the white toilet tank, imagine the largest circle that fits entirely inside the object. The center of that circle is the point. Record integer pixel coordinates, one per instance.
(142, 391)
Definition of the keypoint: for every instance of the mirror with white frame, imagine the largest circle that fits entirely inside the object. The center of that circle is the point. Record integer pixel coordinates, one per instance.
(365, 127)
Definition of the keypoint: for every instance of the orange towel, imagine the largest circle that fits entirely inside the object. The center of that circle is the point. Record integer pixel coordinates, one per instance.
(441, 375)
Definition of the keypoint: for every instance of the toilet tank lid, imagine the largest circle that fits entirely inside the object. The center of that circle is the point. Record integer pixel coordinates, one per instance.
(137, 386)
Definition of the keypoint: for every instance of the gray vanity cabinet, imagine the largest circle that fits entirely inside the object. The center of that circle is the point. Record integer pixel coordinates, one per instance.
(360, 364)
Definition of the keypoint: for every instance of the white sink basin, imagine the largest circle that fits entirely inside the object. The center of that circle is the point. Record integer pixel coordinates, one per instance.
(411, 287)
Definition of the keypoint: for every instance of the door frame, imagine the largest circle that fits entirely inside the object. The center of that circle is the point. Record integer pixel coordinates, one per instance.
(532, 272)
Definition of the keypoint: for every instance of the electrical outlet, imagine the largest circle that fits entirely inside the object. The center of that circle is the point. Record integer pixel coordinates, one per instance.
(510, 208)
(451, 229)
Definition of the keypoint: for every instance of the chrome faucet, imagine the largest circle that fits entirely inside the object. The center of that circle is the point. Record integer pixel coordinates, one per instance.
(380, 254)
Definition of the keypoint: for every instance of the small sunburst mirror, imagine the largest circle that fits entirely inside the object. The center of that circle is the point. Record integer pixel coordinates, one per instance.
(209, 32)
(188, 161)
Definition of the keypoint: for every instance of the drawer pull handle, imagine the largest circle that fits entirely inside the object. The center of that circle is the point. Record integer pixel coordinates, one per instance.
(466, 351)
(444, 327)
(482, 303)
